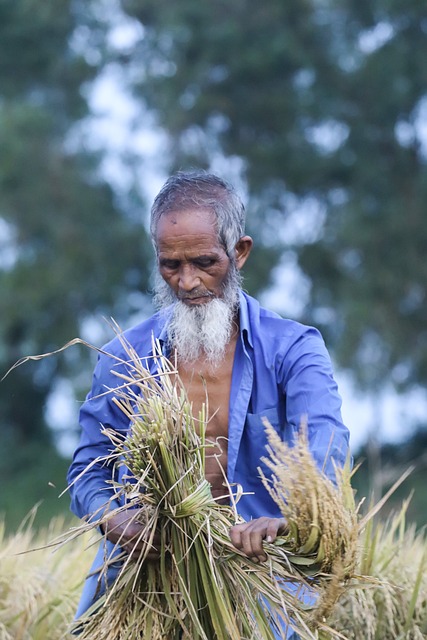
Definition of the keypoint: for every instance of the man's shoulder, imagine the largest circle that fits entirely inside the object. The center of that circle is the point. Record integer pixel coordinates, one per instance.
(274, 325)
(277, 325)
(282, 339)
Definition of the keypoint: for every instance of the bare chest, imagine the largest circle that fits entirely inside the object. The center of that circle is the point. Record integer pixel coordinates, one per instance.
(212, 388)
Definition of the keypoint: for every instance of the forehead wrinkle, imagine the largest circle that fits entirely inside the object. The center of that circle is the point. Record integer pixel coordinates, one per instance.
(188, 248)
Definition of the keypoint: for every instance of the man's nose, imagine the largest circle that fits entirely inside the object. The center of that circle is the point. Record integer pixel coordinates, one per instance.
(188, 278)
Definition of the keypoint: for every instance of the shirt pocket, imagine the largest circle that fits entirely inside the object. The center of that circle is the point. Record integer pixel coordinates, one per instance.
(255, 441)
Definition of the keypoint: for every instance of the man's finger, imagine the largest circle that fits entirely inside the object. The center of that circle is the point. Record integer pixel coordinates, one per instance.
(275, 527)
(249, 536)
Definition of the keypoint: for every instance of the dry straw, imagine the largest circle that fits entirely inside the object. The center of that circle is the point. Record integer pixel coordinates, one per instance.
(392, 605)
(202, 587)
(39, 591)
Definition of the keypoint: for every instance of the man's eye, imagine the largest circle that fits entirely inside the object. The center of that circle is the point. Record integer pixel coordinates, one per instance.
(204, 263)
(169, 264)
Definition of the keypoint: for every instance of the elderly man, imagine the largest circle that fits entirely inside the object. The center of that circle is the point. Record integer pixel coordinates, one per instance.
(251, 363)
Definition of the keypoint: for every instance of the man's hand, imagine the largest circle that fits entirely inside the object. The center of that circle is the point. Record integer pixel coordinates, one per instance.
(249, 536)
(123, 529)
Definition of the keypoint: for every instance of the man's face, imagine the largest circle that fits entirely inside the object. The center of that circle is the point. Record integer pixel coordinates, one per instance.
(190, 257)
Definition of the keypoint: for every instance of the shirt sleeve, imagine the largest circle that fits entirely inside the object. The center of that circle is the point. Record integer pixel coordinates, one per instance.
(312, 396)
(89, 476)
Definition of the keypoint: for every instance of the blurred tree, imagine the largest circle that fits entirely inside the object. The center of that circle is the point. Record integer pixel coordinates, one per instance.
(324, 103)
(318, 103)
(68, 252)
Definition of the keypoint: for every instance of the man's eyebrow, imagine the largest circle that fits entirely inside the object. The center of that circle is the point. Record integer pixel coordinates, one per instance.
(202, 256)
(165, 260)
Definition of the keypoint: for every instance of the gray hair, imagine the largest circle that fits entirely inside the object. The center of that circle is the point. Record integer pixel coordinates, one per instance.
(201, 190)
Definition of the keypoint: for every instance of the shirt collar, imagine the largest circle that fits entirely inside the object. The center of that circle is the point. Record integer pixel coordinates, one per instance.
(165, 317)
(245, 325)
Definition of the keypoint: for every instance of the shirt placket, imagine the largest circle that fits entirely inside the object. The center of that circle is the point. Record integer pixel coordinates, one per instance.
(241, 390)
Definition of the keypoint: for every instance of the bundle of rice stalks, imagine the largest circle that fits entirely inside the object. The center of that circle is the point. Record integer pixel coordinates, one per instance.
(322, 538)
(202, 587)
(393, 606)
(39, 591)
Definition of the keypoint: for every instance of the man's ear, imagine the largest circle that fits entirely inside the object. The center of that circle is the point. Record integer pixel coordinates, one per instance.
(242, 250)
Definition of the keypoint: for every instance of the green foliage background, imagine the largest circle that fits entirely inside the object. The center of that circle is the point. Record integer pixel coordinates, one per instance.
(315, 107)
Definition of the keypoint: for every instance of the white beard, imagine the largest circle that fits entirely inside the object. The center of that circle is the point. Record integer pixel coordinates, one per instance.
(201, 330)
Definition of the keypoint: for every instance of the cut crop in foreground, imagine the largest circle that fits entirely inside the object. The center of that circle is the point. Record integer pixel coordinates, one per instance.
(202, 586)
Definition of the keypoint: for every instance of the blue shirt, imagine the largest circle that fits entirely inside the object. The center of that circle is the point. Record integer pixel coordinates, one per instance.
(282, 371)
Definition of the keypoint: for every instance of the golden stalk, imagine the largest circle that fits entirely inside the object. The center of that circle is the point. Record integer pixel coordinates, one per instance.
(202, 587)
